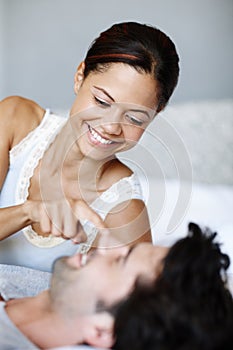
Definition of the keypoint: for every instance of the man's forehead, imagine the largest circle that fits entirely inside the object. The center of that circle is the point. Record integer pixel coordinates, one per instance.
(155, 253)
(145, 246)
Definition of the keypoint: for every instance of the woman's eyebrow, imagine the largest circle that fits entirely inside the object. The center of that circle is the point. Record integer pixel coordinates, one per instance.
(132, 110)
(105, 92)
(141, 111)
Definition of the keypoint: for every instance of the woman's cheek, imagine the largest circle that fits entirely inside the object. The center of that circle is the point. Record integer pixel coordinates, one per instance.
(135, 134)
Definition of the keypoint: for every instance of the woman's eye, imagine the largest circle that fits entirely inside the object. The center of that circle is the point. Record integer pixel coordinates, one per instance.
(134, 120)
(101, 103)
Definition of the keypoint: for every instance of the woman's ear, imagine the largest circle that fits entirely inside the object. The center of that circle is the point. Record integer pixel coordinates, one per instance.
(79, 77)
(100, 331)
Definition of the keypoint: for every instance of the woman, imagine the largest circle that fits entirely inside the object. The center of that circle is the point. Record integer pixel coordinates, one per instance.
(56, 172)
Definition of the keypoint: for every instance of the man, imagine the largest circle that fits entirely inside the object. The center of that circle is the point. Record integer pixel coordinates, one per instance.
(79, 305)
(180, 300)
(188, 307)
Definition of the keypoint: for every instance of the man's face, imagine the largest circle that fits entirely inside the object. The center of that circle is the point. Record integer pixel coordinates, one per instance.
(107, 276)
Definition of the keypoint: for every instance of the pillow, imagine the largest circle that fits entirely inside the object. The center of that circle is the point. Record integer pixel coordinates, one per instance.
(207, 205)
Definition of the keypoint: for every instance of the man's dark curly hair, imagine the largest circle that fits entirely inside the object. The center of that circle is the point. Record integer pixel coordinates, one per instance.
(188, 307)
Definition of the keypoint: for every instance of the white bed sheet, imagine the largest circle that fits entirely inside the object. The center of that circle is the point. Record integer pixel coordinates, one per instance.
(210, 205)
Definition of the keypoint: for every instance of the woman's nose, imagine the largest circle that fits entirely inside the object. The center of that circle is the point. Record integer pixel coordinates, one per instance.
(112, 128)
(112, 121)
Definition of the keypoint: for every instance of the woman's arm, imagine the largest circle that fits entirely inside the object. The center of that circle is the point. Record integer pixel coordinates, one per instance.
(56, 217)
(130, 222)
(13, 219)
(18, 117)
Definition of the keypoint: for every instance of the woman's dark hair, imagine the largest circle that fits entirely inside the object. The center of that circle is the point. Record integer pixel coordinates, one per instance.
(141, 46)
(188, 307)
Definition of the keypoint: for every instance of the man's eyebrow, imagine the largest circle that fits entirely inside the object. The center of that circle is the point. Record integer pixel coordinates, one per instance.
(105, 92)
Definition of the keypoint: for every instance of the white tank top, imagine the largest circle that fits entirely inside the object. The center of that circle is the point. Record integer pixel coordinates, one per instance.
(26, 248)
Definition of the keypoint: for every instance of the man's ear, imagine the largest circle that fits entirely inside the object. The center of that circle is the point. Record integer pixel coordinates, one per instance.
(99, 332)
(79, 77)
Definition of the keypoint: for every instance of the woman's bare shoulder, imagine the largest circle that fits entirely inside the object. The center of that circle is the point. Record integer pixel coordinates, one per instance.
(114, 171)
(19, 116)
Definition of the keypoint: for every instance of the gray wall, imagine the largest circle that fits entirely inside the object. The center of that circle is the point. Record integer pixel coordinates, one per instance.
(2, 49)
(42, 42)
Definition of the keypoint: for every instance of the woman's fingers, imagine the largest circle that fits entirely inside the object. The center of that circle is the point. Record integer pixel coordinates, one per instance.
(84, 212)
(81, 236)
(45, 221)
(63, 219)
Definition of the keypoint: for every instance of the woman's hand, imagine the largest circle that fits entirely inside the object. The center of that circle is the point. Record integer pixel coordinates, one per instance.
(65, 219)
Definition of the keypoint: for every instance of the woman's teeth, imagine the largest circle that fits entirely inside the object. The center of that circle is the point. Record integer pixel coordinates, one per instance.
(99, 138)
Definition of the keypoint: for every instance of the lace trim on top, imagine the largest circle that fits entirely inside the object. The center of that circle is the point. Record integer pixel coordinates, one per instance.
(42, 136)
(125, 189)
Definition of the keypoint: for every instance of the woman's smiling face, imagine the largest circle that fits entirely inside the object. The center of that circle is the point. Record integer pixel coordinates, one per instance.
(112, 109)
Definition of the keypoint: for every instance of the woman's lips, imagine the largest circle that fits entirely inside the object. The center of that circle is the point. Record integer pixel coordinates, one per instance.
(96, 138)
